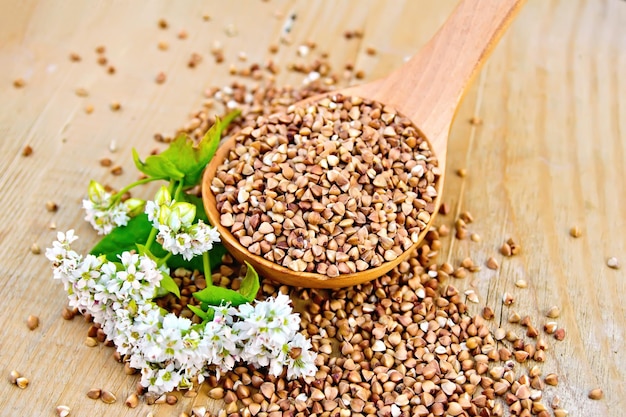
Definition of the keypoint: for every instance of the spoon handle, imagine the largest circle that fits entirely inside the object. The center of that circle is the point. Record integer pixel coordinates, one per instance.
(429, 87)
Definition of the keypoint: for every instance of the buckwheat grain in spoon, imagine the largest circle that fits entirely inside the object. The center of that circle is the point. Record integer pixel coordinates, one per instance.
(345, 186)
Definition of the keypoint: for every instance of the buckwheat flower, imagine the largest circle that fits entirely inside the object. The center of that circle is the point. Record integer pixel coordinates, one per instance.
(87, 272)
(171, 334)
(137, 280)
(152, 211)
(190, 358)
(258, 350)
(108, 273)
(188, 242)
(176, 243)
(300, 359)
(106, 318)
(64, 259)
(121, 332)
(102, 212)
(152, 273)
(152, 208)
(147, 320)
(82, 281)
(163, 380)
(203, 237)
(218, 345)
(271, 319)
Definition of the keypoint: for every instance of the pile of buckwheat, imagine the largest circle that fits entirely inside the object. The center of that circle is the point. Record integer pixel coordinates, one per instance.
(401, 345)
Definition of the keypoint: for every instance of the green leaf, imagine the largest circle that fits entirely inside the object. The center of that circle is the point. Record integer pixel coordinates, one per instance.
(216, 296)
(250, 284)
(188, 159)
(168, 283)
(198, 312)
(184, 156)
(212, 137)
(157, 166)
(143, 250)
(124, 238)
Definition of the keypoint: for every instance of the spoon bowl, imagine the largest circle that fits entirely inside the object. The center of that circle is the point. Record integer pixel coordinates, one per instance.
(427, 89)
(277, 272)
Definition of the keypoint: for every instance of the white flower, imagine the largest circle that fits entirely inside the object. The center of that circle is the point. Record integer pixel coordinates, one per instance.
(64, 259)
(137, 281)
(218, 345)
(101, 212)
(203, 237)
(160, 380)
(300, 360)
(170, 351)
(188, 242)
(176, 231)
(152, 210)
(271, 319)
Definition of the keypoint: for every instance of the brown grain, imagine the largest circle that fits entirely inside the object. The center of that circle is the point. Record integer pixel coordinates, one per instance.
(596, 394)
(575, 232)
(32, 322)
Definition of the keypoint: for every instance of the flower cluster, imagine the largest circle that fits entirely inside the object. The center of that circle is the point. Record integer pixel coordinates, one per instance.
(170, 351)
(100, 287)
(104, 212)
(118, 282)
(177, 233)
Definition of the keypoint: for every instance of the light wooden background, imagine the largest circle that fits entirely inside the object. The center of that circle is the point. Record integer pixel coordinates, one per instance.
(550, 154)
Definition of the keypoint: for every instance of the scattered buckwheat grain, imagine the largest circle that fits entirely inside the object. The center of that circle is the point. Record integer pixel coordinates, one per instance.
(108, 397)
(63, 410)
(596, 394)
(475, 120)
(612, 262)
(35, 249)
(160, 78)
(575, 231)
(32, 322)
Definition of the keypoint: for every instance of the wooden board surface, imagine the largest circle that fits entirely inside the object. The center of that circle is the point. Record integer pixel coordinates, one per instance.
(550, 154)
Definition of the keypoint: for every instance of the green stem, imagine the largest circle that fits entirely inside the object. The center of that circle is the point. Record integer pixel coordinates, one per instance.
(206, 265)
(124, 190)
(164, 259)
(179, 191)
(151, 238)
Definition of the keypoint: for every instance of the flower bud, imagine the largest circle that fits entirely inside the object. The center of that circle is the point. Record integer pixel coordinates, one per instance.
(132, 307)
(96, 192)
(163, 196)
(186, 213)
(164, 214)
(134, 206)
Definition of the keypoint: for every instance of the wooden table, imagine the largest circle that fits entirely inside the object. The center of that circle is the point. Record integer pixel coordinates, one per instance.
(550, 154)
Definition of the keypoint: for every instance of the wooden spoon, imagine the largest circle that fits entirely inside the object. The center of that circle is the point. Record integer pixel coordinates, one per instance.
(427, 89)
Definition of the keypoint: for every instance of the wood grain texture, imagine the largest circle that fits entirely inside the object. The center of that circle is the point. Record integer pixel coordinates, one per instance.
(550, 154)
